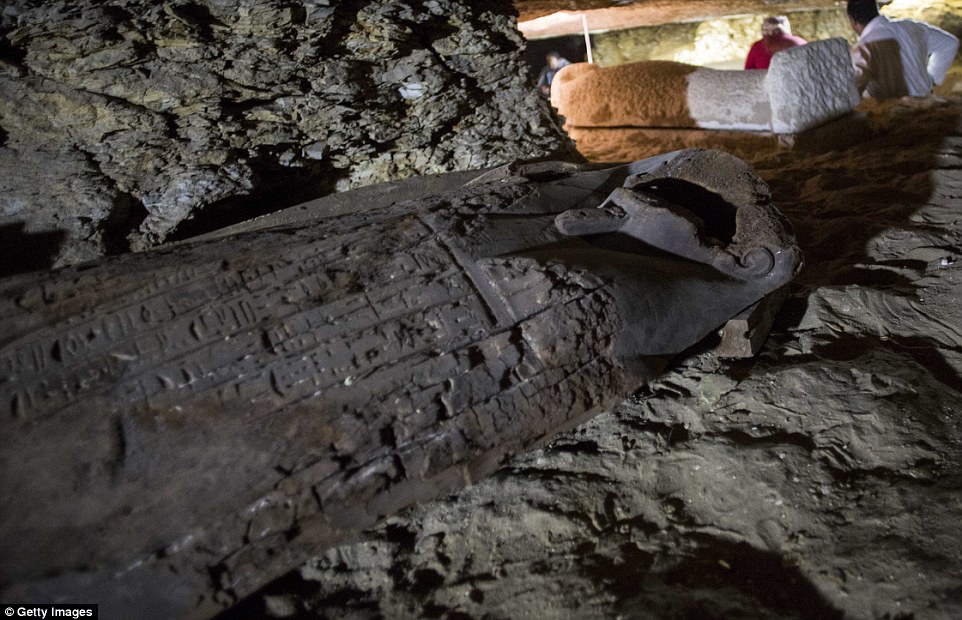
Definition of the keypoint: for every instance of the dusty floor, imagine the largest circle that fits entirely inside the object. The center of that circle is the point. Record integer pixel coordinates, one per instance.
(822, 479)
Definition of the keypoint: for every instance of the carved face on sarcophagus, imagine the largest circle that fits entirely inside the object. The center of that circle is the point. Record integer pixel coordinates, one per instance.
(182, 425)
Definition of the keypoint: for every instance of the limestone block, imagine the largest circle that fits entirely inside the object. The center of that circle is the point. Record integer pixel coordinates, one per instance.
(729, 99)
(811, 85)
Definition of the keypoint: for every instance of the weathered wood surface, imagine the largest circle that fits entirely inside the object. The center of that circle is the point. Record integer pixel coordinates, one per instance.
(182, 425)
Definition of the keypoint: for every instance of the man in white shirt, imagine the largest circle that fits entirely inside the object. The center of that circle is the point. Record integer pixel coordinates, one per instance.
(897, 57)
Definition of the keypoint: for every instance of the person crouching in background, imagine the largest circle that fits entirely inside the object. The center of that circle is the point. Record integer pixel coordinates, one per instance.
(555, 63)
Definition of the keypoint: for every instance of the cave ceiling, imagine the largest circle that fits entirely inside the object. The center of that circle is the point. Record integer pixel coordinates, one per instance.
(542, 18)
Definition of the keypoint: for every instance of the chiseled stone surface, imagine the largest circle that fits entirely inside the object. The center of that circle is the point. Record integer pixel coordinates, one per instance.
(729, 99)
(810, 85)
(136, 114)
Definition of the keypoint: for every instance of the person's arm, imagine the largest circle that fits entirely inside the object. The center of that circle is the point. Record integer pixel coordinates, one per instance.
(543, 78)
(942, 47)
(861, 64)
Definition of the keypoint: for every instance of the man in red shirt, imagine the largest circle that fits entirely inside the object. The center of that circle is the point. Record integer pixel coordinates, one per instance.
(776, 36)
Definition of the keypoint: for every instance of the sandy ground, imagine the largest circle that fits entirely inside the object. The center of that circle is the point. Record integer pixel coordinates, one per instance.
(822, 479)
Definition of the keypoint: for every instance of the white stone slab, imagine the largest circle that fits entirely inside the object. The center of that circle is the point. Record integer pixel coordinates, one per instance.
(719, 99)
(811, 85)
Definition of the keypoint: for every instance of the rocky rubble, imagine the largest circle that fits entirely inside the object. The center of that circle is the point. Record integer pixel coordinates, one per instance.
(121, 119)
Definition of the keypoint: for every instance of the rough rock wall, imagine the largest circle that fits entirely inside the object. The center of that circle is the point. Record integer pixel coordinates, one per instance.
(120, 119)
